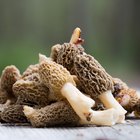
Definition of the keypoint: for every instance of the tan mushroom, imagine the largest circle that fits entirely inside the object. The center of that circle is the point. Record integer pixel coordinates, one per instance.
(30, 90)
(13, 114)
(54, 76)
(58, 79)
(56, 114)
(126, 96)
(9, 76)
(96, 82)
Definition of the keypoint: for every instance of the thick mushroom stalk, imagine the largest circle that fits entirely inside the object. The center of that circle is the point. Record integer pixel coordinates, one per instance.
(96, 82)
(83, 104)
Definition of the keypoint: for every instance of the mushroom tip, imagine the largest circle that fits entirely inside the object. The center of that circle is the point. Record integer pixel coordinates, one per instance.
(43, 58)
(28, 111)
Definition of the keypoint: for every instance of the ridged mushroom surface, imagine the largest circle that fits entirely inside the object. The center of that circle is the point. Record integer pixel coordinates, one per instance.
(54, 76)
(30, 90)
(93, 77)
(65, 54)
(9, 76)
(56, 114)
(13, 114)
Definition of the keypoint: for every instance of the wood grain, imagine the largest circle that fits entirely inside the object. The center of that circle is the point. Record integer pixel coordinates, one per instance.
(128, 131)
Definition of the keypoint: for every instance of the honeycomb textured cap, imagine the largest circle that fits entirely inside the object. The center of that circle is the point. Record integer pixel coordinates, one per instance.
(93, 77)
(54, 76)
(118, 86)
(30, 70)
(13, 114)
(9, 76)
(31, 92)
(3, 97)
(128, 98)
(56, 114)
(65, 54)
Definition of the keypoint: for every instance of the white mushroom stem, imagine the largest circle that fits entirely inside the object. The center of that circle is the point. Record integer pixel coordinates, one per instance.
(82, 106)
(75, 35)
(110, 102)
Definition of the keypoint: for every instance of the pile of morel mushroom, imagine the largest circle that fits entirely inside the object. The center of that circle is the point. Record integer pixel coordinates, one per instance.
(69, 88)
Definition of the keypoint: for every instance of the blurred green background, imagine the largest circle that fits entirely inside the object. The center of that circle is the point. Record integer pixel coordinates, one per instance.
(111, 29)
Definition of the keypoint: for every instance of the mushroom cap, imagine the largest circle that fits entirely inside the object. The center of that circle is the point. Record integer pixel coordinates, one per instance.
(3, 97)
(9, 76)
(31, 92)
(93, 77)
(54, 76)
(128, 98)
(13, 114)
(64, 54)
(56, 114)
(30, 70)
(118, 86)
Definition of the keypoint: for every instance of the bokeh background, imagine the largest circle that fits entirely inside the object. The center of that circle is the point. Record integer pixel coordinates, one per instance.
(111, 29)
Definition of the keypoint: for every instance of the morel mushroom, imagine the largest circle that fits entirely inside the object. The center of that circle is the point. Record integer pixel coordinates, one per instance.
(96, 82)
(13, 114)
(83, 107)
(56, 114)
(126, 96)
(9, 76)
(65, 54)
(2, 107)
(30, 90)
(54, 76)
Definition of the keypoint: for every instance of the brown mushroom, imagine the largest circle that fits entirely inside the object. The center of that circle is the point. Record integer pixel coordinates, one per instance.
(9, 76)
(96, 81)
(56, 114)
(65, 54)
(30, 90)
(127, 97)
(54, 76)
(60, 82)
(13, 114)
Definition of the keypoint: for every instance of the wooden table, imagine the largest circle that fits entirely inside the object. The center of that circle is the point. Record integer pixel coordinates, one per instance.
(128, 131)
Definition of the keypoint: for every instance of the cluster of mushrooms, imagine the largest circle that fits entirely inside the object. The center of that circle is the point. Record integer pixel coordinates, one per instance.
(69, 88)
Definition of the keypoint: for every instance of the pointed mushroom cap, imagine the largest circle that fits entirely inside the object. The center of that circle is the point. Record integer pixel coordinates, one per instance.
(9, 76)
(54, 76)
(59, 113)
(64, 54)
(128, 98)
(93, 77)
(29, 89)
(13, 114)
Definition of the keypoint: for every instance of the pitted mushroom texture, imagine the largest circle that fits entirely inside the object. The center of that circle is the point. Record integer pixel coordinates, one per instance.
(54, 76)
(13, 114)
(30, 90)
(65, 55)
(56, 114)
(118, 86)
(137, 109)
(3, 97)
(32, 93)
(32, 69)
(128, 98)
(9, 76)
(93, 77)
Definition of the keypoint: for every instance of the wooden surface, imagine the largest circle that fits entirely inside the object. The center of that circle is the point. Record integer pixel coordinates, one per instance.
(128, 131)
